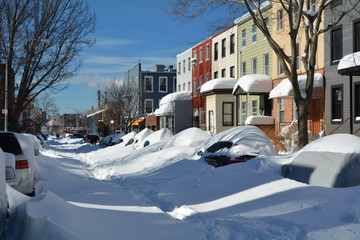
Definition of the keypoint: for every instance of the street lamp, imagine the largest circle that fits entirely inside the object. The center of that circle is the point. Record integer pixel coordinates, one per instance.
(6, 97)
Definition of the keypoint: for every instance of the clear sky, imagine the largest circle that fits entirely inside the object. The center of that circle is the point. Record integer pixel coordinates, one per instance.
(128, 32)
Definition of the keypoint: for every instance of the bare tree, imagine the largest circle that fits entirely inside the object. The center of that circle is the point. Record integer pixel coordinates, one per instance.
(44, 104)
(40, 42)
(304, 17)
(122, 103)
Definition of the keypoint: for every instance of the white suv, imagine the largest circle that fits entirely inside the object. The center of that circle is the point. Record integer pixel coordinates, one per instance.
(22, 147)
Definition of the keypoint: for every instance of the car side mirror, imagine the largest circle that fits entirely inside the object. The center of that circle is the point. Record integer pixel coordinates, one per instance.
(200, 153)
(10, 173)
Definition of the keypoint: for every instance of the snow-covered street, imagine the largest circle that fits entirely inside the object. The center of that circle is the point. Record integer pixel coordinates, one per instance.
(164, 191)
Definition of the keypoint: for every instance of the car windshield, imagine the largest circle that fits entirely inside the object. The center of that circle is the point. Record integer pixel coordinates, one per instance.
(10, 144)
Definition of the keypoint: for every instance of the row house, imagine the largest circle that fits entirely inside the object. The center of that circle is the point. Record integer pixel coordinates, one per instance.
(284, 108)
(254, 58)
(201, 73)
(342, 49)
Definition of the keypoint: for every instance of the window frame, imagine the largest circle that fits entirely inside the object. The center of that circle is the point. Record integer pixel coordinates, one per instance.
(253, 34)
(254, 65)
(266, 66)
(145, 105)
(152, 84)
(357, 102)
(356, 37)
(225, 123)
(232, 43)
(216, 51)
(279, 20)
(223, 47)
(243, 38)
(166, 84)
(334, 119)
(338, 47)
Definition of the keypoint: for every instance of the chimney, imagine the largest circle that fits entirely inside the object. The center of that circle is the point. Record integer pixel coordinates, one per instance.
(159, 68)
(98, 98)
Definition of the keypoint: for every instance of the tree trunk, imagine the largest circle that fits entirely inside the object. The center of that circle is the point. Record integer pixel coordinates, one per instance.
(302, 106)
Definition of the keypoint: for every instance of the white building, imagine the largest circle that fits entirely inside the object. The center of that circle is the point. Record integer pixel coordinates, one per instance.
(184, 71)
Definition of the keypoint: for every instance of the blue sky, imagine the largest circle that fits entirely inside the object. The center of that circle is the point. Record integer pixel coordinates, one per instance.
(128, 32)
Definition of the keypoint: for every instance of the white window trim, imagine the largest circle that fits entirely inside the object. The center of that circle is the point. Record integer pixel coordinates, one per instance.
(268, 66)
(152, 84)
(166, 84)
(152, 105)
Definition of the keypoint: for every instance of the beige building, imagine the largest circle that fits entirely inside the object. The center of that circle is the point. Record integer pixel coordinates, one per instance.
(224, 53)
(220, 104)
(284, 109)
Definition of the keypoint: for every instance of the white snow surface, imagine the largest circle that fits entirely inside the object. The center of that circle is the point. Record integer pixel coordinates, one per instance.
(163, 192)
(259, 120)
(285, 89)
(254, 83)
(349, 61)
(167, 103)
(218, 83)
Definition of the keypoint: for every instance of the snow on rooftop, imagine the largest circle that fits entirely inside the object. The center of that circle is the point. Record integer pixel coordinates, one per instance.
(218, 83)
(167, 103)
(253, 83)
(349, 61)
(284, 89)
(259, 120)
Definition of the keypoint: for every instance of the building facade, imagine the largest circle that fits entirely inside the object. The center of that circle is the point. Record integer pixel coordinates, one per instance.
(340, 41)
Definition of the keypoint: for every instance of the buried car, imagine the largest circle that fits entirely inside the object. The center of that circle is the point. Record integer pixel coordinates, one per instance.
(236, 145)
(22, 147)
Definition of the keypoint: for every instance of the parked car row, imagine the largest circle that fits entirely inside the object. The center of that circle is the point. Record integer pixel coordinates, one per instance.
(18, 153)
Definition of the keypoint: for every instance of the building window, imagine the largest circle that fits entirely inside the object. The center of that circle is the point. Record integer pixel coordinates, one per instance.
(228, 114)
(179, 68)
(189, 64)
(336, 104)
(207, 52)
(253, 66)
(216, 51)
(189, 86)
(357, 101)
(179, 88)
(223, 47)
(174, 83)
(243, 38)
(183, 87)
(163, 84)
(149, 103)
(280, 67)
(266, 64)
(297, 54)
(336, 44)
(254, 106)
(148, 84)
(243, 112)
(357, 36)
(184, 66)
(207, 77)
(232, 43)
(281, 102)
(266, 20)
(201, 55)
(223, 72)
(216, 74)
(253, 33)
(243, 69)
(279, 19)
(195, 87)
(232, 71)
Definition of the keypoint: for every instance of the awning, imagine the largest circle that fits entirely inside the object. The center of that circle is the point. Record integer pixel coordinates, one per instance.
(285, 90)
(253, 83)
(136, 122)
(350, 64)
(218, 84)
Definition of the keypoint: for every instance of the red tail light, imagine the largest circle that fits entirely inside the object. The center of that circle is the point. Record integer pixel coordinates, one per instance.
(22, 164)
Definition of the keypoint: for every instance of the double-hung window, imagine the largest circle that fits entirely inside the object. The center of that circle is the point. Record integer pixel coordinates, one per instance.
(336, 51)
(148, 84)
(223, 47)
(163, 86)
(232, 43)
(243, 38)
(216, 51)
(228, 113)
(336, 103)
(149, 105)
(253, 33)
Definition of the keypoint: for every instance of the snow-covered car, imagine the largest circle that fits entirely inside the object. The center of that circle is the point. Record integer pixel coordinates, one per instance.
(154, 137)
(236, 145)
(22, 146)
(139, 137)
(112, 140)
(92, 138)
(3, 196)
